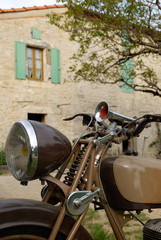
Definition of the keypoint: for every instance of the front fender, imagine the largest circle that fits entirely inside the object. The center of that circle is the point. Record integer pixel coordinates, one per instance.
(23, 212)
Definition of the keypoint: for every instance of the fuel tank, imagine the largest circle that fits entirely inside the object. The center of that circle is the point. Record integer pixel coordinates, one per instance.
(131, 183)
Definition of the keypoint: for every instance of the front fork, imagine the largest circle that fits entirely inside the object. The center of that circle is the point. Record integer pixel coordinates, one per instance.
(116, 219)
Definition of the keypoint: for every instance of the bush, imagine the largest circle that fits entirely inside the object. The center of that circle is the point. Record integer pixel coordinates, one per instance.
(2, 156)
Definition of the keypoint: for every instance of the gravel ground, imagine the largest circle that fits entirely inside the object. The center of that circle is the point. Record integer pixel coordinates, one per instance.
(11, 188)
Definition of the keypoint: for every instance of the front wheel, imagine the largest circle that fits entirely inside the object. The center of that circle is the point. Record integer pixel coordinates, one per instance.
(28, 232)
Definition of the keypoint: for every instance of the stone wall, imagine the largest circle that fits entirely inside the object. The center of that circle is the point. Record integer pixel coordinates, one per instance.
(19, 97)
(57, 101)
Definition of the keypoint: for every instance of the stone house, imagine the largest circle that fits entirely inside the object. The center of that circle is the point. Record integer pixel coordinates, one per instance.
(35, 83)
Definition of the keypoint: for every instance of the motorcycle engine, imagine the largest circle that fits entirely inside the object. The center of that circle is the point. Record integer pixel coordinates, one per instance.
(152, 229)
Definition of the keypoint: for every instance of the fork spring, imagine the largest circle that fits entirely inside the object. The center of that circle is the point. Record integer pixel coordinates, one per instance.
(68, 179)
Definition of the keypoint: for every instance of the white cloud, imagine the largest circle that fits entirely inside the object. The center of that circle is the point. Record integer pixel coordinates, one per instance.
(24, 3)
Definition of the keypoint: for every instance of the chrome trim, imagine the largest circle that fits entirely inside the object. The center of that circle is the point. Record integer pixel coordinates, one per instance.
(119, 117)
(34, 147)
(98, 111)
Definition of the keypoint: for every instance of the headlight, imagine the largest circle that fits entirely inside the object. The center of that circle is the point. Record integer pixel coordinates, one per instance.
(34, 149)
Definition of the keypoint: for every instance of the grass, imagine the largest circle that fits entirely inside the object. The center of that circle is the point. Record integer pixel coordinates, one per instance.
(142, 217)
(91, 224)
(97, 231)
(99, 227)
(91, 215)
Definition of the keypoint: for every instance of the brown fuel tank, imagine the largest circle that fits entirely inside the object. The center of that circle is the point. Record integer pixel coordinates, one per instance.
(132, 183)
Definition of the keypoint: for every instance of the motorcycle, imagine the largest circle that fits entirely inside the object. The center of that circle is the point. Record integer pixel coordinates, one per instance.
(78, 175)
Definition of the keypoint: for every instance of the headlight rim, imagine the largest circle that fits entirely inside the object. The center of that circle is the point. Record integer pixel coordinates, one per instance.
(32, 163)
(33, 143)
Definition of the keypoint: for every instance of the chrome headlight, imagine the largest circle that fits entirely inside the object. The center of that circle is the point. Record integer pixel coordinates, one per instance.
(22, 150)
(34, 149)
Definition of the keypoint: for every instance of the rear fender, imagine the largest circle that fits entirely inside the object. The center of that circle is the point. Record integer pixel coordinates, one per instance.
(23, 212)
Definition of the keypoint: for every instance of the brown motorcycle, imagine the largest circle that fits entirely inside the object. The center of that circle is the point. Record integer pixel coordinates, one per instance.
(81, 175)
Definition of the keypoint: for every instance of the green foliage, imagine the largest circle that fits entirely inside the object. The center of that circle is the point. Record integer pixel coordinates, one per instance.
(2, 156)
(99, 26)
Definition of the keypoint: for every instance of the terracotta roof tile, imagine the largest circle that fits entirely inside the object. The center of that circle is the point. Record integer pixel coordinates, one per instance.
(23, 9)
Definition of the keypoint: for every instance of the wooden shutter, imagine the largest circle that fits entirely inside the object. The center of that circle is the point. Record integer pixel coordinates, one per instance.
(55, 66)
(126, 73)
(127, 67)
(35, 33)
(20, 60)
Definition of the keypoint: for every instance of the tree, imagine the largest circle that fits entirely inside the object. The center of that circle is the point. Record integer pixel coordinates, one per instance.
(116, 37)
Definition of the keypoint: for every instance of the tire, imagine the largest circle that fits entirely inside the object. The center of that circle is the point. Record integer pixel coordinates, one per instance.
(28, 232)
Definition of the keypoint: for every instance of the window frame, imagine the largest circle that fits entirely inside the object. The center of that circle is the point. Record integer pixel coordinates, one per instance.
(34, 63)
(53, 59)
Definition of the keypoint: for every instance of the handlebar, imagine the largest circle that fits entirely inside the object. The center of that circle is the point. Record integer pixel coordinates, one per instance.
(146, 119)
(134, 132)
(132, 127)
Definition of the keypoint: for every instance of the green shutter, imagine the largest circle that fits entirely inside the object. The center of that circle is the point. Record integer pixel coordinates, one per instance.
(126, 73)
(20, 60)
(35, 33)
(55, 66)
(125, 42)
(127, 67)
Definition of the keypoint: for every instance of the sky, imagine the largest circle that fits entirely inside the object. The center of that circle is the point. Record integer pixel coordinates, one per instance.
(6, 4)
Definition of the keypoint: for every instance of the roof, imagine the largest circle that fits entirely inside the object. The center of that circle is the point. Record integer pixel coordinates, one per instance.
(23, 9)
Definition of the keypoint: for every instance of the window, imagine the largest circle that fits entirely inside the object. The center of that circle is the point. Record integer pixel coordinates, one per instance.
(36, 117)
(29, 63)
(34, 63)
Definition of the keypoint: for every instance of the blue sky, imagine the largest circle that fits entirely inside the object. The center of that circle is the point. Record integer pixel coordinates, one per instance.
(5, 4)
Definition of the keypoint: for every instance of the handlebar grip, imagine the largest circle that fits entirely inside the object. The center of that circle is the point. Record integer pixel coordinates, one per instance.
(153, 117)
(140, 128)
(147, 119)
